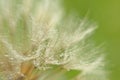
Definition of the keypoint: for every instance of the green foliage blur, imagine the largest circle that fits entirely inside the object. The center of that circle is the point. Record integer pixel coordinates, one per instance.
(106, 13)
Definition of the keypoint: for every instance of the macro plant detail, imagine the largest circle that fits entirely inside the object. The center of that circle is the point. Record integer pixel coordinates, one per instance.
(38, 43)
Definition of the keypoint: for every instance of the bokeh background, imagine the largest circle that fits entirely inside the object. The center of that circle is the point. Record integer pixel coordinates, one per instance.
(106, 13)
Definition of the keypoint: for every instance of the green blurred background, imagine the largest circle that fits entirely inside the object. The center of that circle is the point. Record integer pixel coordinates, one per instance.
(106, 13)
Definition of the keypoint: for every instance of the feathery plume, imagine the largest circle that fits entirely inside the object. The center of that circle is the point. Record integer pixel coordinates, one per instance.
(37, 43)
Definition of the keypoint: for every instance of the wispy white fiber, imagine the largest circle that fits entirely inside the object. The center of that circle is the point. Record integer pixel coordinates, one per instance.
(45, 39)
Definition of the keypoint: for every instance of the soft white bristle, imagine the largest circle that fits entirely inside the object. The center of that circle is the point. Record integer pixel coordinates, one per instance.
(34, 34)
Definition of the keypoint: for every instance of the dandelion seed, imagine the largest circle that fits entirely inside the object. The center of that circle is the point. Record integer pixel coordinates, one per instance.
(34, 44)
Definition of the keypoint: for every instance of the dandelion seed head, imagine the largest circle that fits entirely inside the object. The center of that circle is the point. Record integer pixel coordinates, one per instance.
(36, 28)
